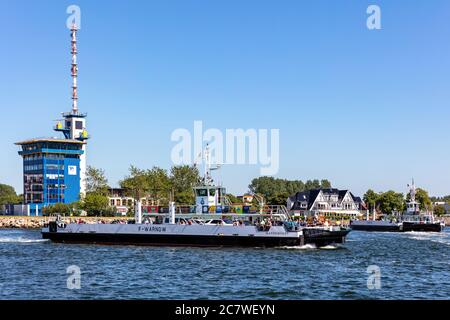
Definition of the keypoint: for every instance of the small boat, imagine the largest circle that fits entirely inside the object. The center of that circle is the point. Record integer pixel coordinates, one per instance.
(420, 226)
(416, 220)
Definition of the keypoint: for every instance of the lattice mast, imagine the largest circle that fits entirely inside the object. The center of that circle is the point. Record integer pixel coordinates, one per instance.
(73, 33)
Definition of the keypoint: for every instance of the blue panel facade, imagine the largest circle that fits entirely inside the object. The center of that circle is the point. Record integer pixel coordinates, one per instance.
(72, 179)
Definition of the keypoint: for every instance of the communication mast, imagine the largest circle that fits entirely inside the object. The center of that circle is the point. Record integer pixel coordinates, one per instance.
(74, 69)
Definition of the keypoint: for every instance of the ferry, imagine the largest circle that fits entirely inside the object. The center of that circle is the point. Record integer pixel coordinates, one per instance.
(272, 226)
(411, 220)
(376, 225)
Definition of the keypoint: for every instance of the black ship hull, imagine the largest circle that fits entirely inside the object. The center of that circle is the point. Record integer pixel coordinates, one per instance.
(421, 227)
(172, 240)
(375, 228)
(317, 237)
(322, 237)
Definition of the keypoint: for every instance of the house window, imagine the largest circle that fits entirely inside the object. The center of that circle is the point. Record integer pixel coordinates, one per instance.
(79, 125)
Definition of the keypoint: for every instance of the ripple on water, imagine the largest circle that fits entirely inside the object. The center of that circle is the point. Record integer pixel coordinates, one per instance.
(412, 267)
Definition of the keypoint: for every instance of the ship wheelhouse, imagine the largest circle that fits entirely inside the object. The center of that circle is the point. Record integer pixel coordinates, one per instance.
(209, 196)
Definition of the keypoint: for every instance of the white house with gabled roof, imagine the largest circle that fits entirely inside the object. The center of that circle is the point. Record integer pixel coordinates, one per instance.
(325, 202)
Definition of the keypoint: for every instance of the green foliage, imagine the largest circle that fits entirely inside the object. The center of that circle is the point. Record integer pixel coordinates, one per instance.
(439, 211)
(96, 205)
(61, 208)
(233, 199)
(312, 184)
(96, 181)
(279, 198)
(157, 184)
(386, 202)
(325, 184)
(95, 202)
(391, 201)
(183, 179)
(8, 195)
(276, 191)
(371, 198)
(185, 197)
(422, 198)
(136, 183)
(441, 199)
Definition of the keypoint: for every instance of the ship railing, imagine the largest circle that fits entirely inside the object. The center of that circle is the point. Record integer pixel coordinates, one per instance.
(60, 218)
(278, 210)
(227, 201)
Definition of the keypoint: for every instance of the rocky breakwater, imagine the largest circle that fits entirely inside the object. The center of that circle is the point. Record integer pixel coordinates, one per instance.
(38, 222)
(446, 219)
(22, 222)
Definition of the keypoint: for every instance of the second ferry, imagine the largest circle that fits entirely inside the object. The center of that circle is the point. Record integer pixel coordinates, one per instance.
(413, 219)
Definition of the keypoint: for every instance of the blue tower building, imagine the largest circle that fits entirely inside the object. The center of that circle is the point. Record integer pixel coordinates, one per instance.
(51, 172)
(54, 169)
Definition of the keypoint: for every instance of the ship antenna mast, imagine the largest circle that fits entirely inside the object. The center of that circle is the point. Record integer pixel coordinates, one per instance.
(207, 165)
(412, 191)
(74, 69)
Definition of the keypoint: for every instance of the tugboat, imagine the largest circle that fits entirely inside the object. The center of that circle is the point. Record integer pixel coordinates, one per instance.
(270, 227)
(415, 220)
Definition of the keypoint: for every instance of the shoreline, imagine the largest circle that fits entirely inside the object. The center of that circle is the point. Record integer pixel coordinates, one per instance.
(19, 222)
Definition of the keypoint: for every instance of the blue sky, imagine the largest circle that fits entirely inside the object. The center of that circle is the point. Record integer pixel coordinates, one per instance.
(361, 108)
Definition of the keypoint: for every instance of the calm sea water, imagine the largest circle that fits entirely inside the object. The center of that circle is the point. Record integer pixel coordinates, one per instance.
(412, 265)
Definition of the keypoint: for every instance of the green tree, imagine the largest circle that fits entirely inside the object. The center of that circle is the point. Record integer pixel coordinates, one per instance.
(96, 205)
(276, 191)
(312, 184)
(95, 202)
(293, 186)
(136, 184)
(279, 198)
(233, 199)
(441, 199)
(371, 198)
(391, 201)
(267, 186)
(325, 184)
(159, 185)
(422, 198)
(439, 211)
(8, 195)
(183, 179)
(96, 181)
